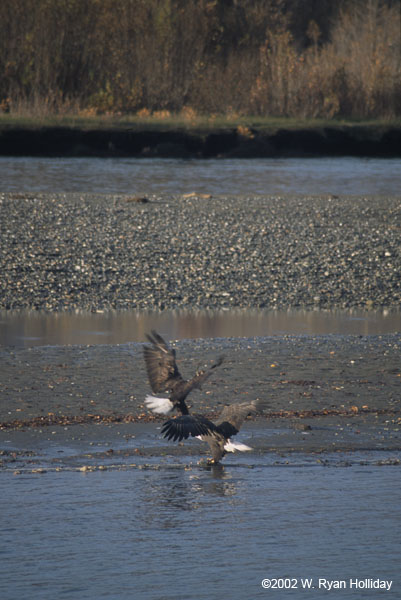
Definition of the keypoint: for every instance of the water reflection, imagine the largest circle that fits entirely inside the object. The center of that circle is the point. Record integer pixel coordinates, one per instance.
(32, 328)
(174, 492)
(215, 482)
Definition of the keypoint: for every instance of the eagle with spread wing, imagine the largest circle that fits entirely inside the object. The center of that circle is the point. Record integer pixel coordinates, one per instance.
(164, 376)
(218, 435)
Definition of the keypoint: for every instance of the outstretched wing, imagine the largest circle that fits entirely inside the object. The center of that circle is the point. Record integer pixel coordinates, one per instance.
(163, 372)
(161, 365)
(234, 415)
(201, 376)
(182, 427)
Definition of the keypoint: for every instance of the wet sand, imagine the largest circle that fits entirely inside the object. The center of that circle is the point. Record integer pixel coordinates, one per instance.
(325, 394)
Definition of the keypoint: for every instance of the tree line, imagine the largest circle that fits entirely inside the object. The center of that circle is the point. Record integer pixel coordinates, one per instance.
(293, 58)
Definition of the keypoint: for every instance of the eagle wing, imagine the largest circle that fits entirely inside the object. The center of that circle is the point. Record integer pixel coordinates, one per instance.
(182, 427)
(163, 372)
(234, 415)
(160, 364)
(202, 376)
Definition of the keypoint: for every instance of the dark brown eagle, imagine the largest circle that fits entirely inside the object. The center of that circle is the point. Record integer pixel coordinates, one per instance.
(164, 377)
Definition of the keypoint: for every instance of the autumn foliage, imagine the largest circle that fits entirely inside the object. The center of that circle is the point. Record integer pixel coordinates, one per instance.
(261, 57)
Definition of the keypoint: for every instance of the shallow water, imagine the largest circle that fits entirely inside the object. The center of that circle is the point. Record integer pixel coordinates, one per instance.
(183, 534)
(344, 175)
(33, 328)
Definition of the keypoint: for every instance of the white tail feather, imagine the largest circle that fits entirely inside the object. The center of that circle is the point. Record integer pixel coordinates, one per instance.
(160, 406)
(233, 446)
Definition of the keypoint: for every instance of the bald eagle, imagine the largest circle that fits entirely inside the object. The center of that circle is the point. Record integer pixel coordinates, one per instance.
(164, 376)
(217, 435)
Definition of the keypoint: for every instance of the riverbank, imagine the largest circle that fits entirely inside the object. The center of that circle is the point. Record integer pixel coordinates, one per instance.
(242, 140)
(323, 393)
(79, 251)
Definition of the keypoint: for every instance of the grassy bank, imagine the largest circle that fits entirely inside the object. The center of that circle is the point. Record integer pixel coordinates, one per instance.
(166, 121)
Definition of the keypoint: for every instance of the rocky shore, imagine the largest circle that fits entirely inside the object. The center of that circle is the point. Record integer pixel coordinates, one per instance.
(67, 251)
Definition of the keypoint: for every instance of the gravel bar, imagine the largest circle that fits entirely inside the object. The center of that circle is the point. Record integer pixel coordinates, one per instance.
(69, 251)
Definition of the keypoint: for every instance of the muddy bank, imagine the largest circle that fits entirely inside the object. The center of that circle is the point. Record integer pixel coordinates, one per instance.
(334, 393)
(356, 140)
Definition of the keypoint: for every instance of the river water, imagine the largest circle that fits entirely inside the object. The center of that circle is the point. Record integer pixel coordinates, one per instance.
(345, 175)
(183, 533)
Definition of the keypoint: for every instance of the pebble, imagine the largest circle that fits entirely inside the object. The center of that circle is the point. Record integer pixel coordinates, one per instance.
(73, 251)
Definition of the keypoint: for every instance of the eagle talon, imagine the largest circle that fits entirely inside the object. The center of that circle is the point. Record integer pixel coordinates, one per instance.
(209, 463)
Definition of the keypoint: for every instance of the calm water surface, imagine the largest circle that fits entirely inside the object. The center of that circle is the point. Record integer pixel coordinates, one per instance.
(344, 175)
(33, 328)
(177, 534)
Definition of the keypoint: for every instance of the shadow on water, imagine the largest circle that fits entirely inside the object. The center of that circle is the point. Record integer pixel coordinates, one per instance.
(33, 328)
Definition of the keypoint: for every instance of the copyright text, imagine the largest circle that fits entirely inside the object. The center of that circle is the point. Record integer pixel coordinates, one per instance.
(294, 583)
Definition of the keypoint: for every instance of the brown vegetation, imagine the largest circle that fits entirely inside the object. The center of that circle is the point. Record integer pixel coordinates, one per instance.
(260, 57)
